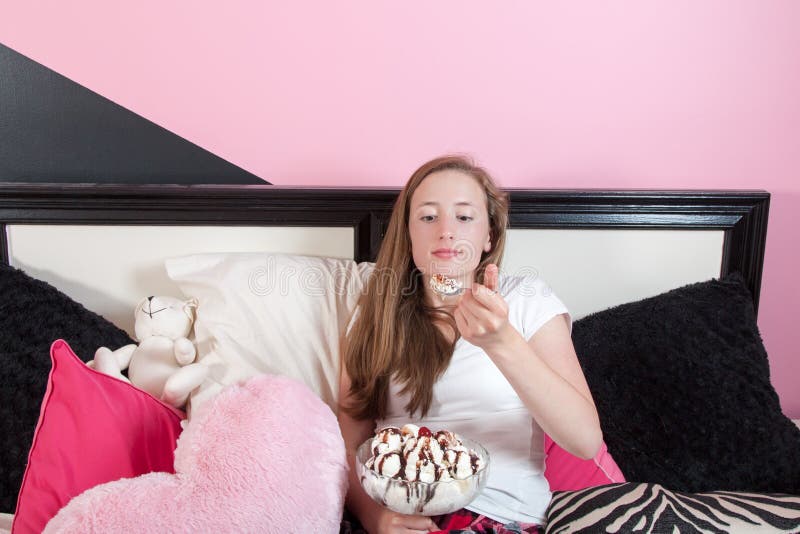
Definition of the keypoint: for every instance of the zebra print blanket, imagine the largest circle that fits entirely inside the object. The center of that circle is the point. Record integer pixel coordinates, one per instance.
(650, 508)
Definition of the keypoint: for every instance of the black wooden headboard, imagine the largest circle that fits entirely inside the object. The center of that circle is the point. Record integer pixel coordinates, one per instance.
(742, 215)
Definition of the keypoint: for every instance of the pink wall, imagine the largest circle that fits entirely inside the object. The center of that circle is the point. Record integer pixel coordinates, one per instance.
(663, 94)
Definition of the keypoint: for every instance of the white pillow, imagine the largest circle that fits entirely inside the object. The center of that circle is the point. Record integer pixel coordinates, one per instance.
(269, 313)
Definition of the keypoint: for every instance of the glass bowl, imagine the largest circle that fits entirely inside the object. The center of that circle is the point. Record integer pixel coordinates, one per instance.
(421, 498)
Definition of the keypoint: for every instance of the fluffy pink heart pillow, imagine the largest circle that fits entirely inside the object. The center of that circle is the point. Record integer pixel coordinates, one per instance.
(264, 456)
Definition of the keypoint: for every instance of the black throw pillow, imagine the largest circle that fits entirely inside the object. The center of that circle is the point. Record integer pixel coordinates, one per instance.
(681, 382)
(33, 314)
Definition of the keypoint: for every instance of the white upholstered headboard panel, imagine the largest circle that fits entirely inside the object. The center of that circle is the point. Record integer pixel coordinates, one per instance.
(592, 270)
(110, 268)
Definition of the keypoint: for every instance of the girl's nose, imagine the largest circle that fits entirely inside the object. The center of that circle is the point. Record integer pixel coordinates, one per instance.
(445, 230)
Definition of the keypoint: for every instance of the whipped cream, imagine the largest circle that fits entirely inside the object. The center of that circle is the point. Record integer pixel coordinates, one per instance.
(444, 285)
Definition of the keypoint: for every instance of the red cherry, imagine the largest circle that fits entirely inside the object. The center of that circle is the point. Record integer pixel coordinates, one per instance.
(424, 432)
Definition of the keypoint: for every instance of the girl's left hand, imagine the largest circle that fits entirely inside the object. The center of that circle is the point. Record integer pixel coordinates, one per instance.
(482, 314)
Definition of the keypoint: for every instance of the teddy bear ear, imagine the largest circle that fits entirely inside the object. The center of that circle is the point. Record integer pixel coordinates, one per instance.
(189, 307)
(140, 306)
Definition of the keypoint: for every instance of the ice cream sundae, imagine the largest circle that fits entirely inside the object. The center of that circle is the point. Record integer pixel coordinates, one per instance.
(415, 471)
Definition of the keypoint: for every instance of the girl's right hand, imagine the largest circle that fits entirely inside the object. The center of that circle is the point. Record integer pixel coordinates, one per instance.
(390, 522)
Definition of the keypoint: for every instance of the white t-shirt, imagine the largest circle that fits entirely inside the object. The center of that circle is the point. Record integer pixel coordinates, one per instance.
(474, 399)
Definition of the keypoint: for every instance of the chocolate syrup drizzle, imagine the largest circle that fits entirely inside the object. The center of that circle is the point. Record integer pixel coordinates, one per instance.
(444, 438)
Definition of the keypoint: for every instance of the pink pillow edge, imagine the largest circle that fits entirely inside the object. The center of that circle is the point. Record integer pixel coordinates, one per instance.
(568, 472)
(59, 345)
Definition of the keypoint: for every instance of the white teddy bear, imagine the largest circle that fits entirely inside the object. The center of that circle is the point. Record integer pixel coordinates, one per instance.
(163, 364)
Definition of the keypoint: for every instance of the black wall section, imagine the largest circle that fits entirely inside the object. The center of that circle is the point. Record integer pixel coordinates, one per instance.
(55, 130)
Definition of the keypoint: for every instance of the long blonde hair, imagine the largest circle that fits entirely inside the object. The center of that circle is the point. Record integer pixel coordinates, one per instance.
(395, 332)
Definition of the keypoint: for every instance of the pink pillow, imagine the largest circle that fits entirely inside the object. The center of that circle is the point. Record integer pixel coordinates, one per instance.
(92, 429)
(264, 455)
(566, 472)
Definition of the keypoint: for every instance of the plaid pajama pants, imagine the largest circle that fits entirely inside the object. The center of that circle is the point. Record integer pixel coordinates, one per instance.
(461, 522)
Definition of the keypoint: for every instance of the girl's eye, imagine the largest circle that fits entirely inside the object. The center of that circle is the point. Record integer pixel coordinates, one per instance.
(427, 218)
(464, 218)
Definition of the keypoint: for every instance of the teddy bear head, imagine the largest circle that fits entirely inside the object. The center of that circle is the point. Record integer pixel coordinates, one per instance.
(164, 316)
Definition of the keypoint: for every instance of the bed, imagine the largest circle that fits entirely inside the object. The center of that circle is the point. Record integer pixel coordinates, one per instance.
(614, 257)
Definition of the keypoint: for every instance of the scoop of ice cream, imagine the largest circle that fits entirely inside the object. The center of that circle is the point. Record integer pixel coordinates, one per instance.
(414, 453)
(446, 439)
(430, 449)
(388, 464)
(409, 431)
(444, 285)
(462, 468)
(386, 440)
(427, 471)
